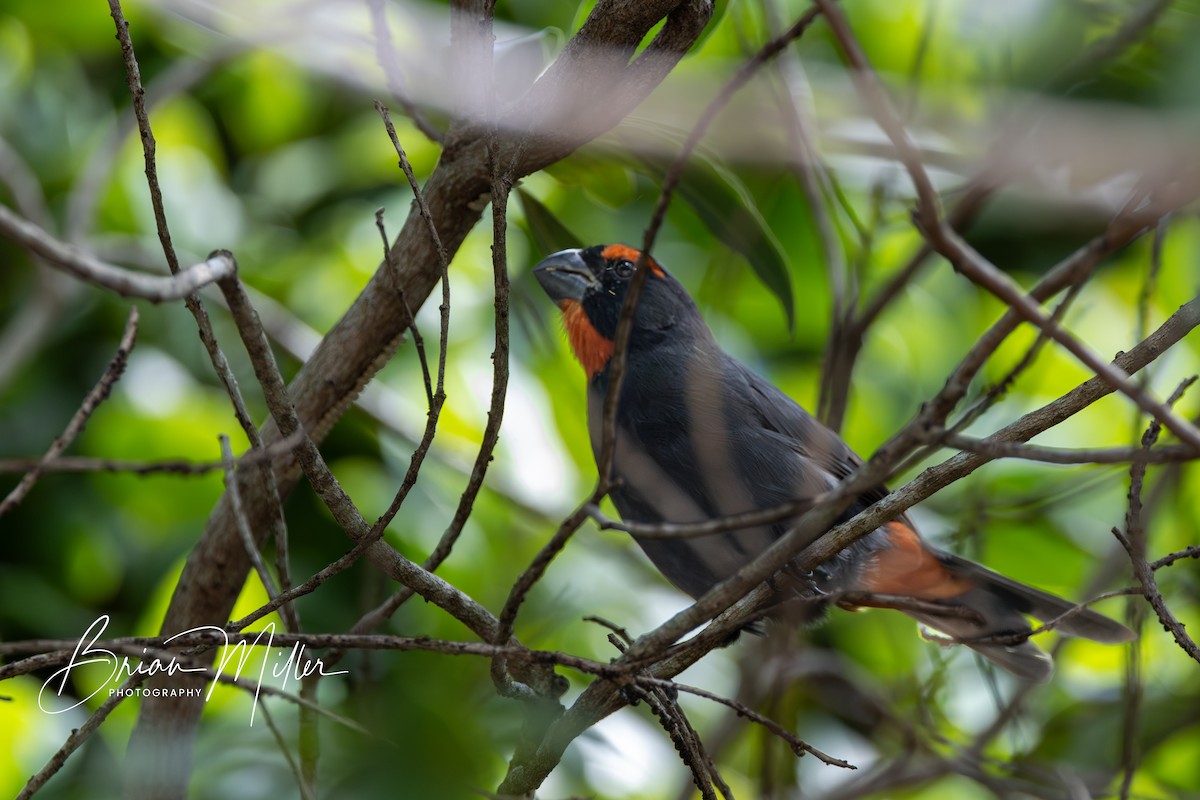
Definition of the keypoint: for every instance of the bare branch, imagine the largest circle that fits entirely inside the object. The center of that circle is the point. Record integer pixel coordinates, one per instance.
(678, 728)
(192, 300)
(83, 265)
(798, 745)
(385, 53)
(52, 652)
(134, 76)
(91, 402)
(77, 738)
(306, 792)
(177, 466)
(1134, 541)
(1168, 560)
(442, 256)
(843, 349)
(537, 568)
(1063, 455)
(235, 496)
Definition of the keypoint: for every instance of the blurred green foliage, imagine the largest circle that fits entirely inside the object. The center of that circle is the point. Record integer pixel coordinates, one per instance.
(285, 166)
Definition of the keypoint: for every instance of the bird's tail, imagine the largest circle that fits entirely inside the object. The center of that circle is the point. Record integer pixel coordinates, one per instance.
(973, 605)
(997, 620)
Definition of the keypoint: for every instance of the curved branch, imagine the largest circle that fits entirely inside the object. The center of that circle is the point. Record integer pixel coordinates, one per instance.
(127, 283)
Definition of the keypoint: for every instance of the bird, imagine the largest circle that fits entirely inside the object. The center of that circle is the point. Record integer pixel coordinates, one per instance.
(701, 436)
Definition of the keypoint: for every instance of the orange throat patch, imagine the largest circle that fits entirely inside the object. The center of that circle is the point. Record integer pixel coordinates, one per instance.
(590, 347)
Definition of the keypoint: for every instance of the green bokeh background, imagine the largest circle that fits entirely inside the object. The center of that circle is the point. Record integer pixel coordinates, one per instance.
(286, 165)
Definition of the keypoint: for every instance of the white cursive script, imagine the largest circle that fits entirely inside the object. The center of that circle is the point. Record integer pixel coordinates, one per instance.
(88, 657)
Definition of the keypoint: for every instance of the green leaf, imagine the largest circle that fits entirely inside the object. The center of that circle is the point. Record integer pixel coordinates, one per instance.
(726, 206)
(549, 234)
(728, 209)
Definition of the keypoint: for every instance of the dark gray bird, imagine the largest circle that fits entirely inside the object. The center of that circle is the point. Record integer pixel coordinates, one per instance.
(700, 436)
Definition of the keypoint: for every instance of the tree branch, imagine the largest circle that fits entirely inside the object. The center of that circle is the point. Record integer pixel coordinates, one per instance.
(91, 402)
(85, 266)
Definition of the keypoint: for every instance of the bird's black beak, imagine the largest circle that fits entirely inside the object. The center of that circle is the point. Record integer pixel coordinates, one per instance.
(564, 275)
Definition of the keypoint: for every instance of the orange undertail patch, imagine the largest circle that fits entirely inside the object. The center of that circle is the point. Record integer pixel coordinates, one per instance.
(590, 347)
(615, 252)
(909, 569)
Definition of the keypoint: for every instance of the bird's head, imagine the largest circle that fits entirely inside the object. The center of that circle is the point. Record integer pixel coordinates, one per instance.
(590, 284)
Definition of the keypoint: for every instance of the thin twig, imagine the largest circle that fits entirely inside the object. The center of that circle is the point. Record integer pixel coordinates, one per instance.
(1131, 32)
(683, 736)
(77, 738)
(53, 652)
(1167, 560)
(418, 340)
(1134, 541)
(843, 354)
(334, 568)
(191, 300)
(176, 466)
(442, 256)
(436, 397)
(389, 62)
(83, 265)
(983, 186)
(998, 389)
(306, 792)
(282, 410)
(93, 399)
(1067, 455)
(1076, 268)
(501, 184)
(134, 77)
(537, 567)
(243, 525)
(798, 745)
(1151, 281)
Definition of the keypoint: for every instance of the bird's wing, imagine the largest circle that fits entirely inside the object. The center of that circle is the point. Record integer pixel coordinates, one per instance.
(776, 411)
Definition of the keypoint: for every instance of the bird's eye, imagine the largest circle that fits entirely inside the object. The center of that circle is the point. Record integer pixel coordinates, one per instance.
(623, 268)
